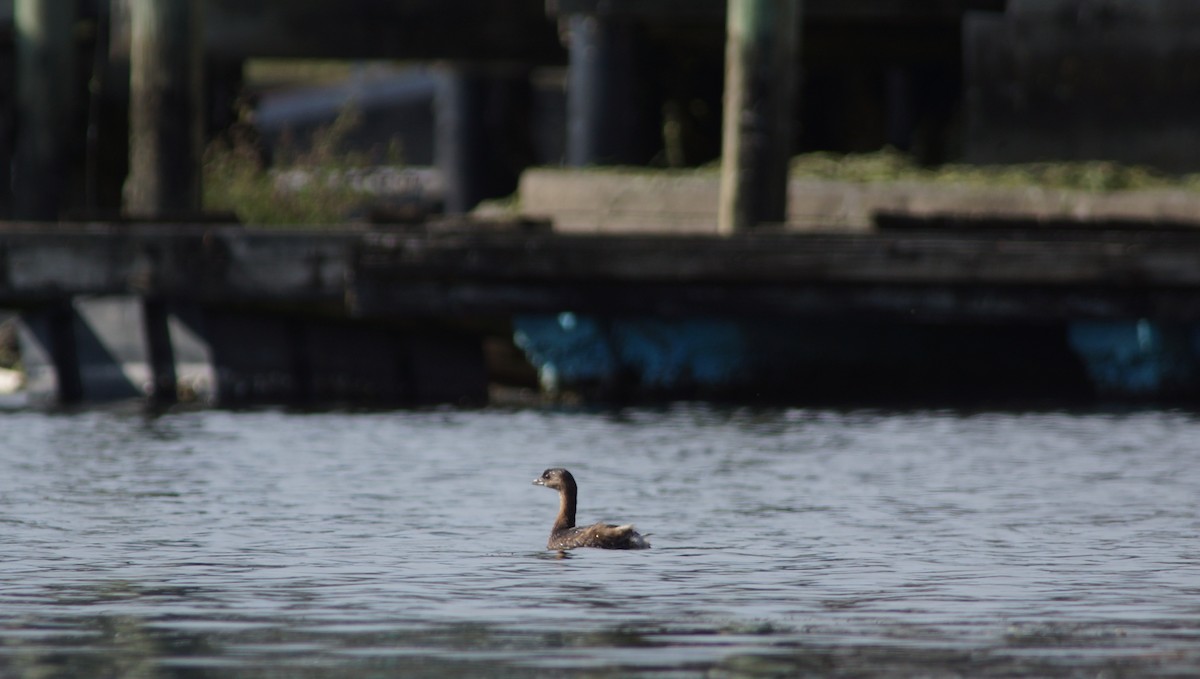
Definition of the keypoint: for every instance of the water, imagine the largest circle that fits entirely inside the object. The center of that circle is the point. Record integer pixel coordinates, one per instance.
(786, 543)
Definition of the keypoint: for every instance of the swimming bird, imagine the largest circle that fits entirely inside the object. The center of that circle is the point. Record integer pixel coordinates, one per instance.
(565, 535)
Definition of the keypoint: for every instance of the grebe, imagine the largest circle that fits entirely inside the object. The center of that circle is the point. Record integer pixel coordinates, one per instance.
(564, 534)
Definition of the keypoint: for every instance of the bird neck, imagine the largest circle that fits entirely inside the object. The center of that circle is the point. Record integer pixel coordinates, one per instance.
(566, 509)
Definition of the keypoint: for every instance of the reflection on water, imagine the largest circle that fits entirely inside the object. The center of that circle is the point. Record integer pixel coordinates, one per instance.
(787, 542)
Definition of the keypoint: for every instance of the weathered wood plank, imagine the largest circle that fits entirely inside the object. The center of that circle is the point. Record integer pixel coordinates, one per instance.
(912, 276)
(219, 264)
(990, 276)
(714, 10)
(976, 304)
(925, 258)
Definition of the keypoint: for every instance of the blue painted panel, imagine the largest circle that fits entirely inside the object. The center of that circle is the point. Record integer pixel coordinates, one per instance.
(1127, 359)
(1137, 357)
(570, 349)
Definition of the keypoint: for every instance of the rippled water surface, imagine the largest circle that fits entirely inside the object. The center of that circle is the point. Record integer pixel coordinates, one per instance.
(786, 543)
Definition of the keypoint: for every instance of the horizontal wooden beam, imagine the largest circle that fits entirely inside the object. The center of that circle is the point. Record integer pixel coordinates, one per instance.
(988, 276)
(498, 30)
(988, 305)
(840, 10)
(927, 258)
(506, 30)
(517, 30)
(931, 276)
(227, 265)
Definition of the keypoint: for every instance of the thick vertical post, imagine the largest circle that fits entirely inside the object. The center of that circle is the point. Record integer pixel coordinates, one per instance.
(461, 137)
(482, 141)
(107, 155)
(166, 105)
(64, 353)
(605, 117)
(762, 39)
(160, 352)
(45, 75)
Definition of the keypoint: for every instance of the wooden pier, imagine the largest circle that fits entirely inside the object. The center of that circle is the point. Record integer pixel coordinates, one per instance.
(981, 276)
(464, 268)
(167, 308)
(391, 315)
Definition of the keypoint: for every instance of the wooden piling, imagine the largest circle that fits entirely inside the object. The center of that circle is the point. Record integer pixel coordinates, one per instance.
(107, 149)
(460, 137)
(605, 117)
(482, 136)
(160, 352)
(166, 108)
(762, 40)
(64, 353)
(45, 75)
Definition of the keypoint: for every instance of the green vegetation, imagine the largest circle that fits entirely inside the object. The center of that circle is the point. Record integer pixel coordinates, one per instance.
(890, 165)
(303, 187)
(315, 186)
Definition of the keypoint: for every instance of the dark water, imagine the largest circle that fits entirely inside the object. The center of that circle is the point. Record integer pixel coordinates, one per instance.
(786, 543)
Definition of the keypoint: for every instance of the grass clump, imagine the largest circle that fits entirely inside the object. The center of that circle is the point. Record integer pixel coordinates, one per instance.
(303, 187)
(889, 165)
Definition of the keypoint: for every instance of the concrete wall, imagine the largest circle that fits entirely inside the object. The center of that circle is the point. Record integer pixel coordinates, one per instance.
(619, 201)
